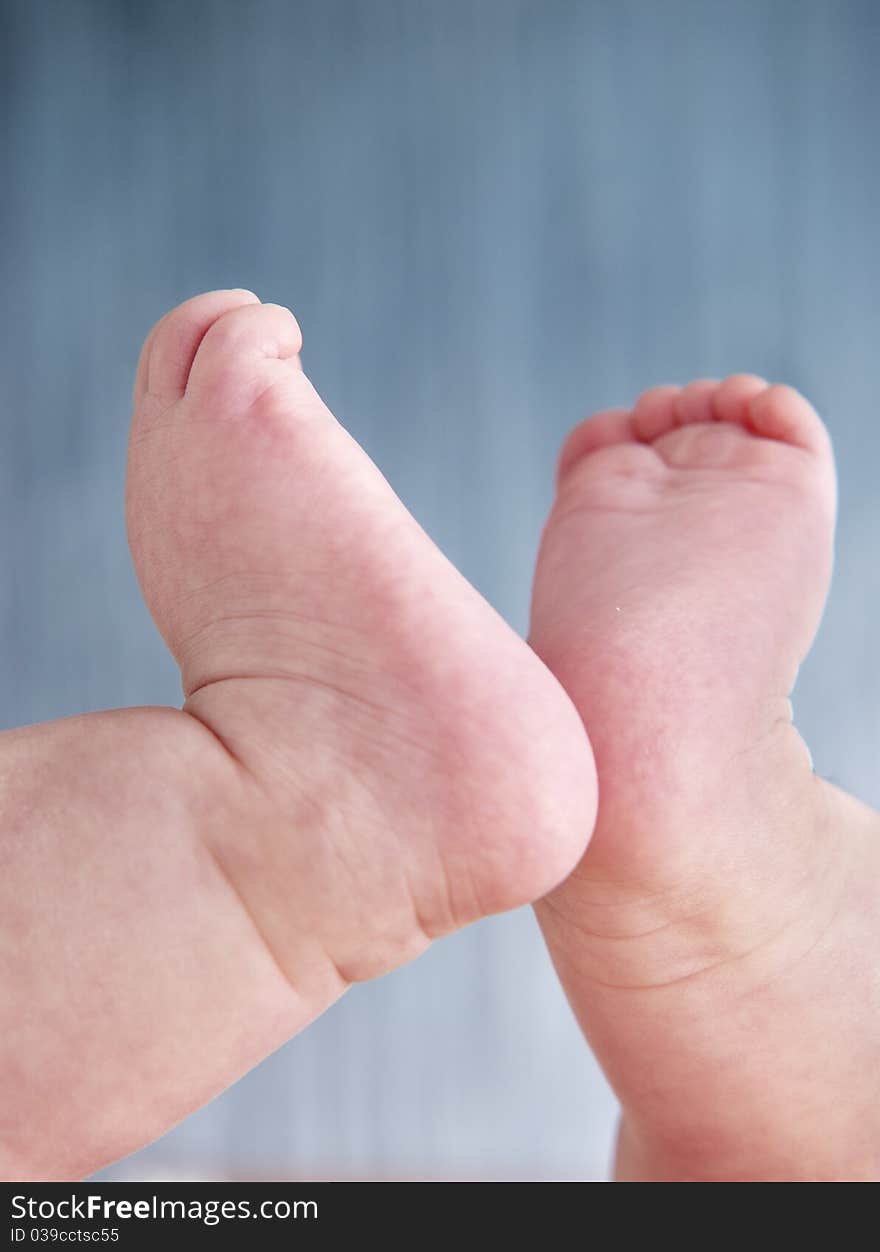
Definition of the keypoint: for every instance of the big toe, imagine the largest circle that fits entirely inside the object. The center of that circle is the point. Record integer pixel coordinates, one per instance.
(243, 349)
(171, 346)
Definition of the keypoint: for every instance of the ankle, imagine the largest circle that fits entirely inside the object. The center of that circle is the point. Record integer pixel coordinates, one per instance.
(813, 1155)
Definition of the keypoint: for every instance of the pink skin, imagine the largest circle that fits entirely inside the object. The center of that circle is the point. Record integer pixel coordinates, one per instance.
(704, 938)
(367, 758)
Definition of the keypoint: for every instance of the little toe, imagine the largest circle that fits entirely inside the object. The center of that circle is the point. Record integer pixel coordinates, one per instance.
(780, 412)
(694, 402)
(731, 397)
(602, 430)
(231, 351)
(171, 346)
(654, 412)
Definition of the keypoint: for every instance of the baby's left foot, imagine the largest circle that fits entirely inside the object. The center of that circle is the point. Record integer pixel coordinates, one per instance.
(368, 758)
(719, 939)
(412, 765)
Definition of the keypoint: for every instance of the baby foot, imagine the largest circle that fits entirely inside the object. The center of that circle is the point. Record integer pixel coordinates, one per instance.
(412, 765)
(718, 940)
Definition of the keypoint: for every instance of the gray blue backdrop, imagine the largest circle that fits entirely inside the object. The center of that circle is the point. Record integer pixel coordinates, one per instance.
(490, 216)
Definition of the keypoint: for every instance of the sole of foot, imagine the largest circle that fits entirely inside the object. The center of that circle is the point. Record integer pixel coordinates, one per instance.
(701, 939)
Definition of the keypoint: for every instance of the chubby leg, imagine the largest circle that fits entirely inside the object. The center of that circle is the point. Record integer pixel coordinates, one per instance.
(367, 758)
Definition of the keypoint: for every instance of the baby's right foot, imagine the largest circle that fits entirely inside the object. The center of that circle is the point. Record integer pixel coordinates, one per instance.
(409, 764)
(719, 939)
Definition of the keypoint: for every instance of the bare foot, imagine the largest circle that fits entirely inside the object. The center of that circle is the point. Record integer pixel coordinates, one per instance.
(718, 940)
(412, 765)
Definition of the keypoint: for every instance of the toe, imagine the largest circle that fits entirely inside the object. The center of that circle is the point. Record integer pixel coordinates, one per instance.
(780, 412)
(731, 398)
(654, 412)
(228, 358)
(694, 402)
(602, 430)
(171, 346)
(772, 411)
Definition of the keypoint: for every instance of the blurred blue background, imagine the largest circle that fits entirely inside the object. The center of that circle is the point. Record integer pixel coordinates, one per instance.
(490, 217)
